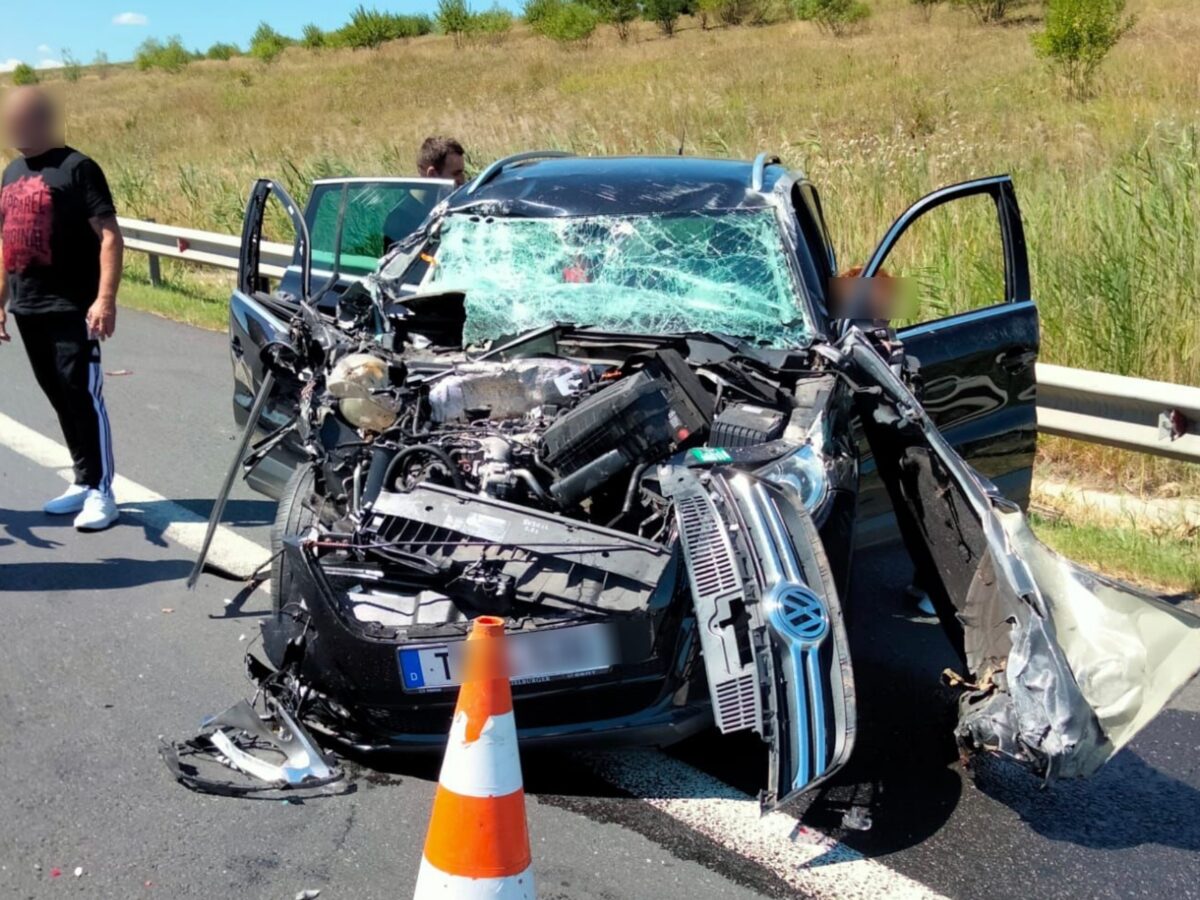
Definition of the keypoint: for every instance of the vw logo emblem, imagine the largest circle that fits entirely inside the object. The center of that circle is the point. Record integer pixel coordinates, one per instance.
(799, 614)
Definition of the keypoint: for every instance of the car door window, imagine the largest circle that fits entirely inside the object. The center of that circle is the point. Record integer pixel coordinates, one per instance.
(960, 248)
(951, 260)
(378, 214)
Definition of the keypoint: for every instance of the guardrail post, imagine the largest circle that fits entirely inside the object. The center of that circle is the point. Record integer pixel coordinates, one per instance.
(152, 266)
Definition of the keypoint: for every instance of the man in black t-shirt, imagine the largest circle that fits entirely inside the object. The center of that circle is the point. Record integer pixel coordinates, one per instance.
(62, 253)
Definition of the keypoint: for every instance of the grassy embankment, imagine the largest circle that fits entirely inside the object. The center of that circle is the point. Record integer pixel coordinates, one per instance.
(1109, 189)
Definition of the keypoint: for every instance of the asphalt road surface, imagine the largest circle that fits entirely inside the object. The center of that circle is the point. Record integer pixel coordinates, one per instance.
(104, 651)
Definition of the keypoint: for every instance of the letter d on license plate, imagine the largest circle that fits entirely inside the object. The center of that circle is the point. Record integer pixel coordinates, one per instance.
(533, 656)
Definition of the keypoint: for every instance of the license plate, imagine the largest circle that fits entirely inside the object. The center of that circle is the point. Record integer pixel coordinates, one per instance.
(570, 652)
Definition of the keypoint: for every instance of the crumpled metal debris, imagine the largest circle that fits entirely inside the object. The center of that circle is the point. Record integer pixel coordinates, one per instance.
(269, 751)
(1065, 666)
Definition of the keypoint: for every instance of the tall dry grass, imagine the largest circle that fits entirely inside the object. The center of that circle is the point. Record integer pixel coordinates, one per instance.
(1110, 189)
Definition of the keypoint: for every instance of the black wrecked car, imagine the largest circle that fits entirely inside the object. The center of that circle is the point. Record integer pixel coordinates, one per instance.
(626, 404)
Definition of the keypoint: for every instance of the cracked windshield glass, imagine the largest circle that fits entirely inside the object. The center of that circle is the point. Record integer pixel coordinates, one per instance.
(724, 273)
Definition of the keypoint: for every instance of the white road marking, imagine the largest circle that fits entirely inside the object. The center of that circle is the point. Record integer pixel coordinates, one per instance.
(809, 861)
(230, 552)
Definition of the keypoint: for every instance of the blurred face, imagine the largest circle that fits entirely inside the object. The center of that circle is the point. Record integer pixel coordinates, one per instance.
(29, 120)
(454, 168)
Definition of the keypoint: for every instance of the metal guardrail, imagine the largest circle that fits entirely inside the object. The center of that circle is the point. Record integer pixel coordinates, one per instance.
(1137, 414)
(201, 247)
(1132, 413)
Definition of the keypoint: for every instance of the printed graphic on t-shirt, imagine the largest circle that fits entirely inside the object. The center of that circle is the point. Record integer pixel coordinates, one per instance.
(28, 211)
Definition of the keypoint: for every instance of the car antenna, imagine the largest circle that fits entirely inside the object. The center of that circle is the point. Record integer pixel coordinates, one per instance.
(682, 137)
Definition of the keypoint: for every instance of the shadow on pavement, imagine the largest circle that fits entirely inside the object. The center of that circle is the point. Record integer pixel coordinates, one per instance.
(19, 525)
(1127, 804)
(236, 512)
(102, 574)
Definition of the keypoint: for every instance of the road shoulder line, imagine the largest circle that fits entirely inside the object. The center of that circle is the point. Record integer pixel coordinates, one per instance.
(231, 552)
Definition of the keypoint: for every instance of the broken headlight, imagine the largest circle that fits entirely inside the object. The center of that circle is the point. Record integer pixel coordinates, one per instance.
(358, 381)
(804, 472)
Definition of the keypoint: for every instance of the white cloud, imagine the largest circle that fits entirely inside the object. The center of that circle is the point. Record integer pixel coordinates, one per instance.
(45, 49)
(131, 18)
(7, 65)
(49, 64)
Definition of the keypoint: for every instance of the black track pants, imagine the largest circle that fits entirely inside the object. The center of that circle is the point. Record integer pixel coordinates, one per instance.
(66, 364)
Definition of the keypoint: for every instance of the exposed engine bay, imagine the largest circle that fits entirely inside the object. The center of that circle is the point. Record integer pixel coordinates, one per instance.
(524, 479)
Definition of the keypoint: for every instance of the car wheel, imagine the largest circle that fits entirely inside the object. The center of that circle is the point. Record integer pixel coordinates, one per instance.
(293, 515)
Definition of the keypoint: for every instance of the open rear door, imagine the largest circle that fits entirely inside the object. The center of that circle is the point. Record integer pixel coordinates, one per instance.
(770, 624)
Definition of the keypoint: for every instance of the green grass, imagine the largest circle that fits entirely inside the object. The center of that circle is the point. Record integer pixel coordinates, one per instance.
(180, 297)
(1163, 560)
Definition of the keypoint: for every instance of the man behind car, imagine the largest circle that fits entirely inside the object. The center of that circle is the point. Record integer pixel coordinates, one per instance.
(439, 157)
(62, 252)
(442, 157)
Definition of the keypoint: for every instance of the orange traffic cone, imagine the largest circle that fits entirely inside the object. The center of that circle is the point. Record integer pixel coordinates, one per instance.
(478, 841)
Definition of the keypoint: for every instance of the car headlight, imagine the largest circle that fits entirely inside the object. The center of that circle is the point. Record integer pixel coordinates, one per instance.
(354, 381)
(804, 471)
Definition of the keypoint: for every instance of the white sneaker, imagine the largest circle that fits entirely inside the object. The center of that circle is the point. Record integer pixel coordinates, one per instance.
(99, 511)
(70, 501)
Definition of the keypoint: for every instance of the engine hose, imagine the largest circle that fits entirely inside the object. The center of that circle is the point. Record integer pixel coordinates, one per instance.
(376, 472)
(631, 492)
(389, 475)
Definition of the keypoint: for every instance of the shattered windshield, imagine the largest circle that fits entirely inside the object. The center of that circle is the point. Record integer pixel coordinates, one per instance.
(721, 272)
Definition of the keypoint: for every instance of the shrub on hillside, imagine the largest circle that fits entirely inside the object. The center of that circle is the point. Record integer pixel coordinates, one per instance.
(987, 11)
(491, 25)
(100, 64)
(571, 23)
(537, 13)
(72, 69)
(665, 13)
(835, 16)
(366, 30)
(453, 17)
(1078, 34)
(266, 43)
(312, 37)
(620, 14)
(24, 75)
(154, 54)
(222, 51)
(738, 12)
(369, 28)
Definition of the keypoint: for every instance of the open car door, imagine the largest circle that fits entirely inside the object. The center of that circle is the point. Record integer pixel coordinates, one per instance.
(1062, 666)
(259, 317)
(976, 366)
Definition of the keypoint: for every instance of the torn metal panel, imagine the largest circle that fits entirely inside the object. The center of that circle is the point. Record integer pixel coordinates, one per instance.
(1067, 665)
(271, 748)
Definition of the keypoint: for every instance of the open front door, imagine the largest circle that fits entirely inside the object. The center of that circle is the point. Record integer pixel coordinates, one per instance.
(258, 317)
(974, 334)
(1062, 666)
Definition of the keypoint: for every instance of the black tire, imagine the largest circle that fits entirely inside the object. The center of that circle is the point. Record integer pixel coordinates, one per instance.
(293, 515)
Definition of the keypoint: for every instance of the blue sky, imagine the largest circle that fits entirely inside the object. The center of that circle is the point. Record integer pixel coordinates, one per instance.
(36, 33)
